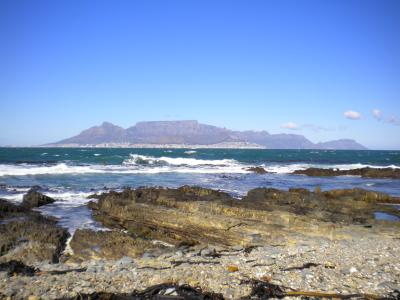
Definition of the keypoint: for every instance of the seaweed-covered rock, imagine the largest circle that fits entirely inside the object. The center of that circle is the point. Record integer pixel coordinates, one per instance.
(193, 215)
(346, 206)
(14, 267)
(7, 208)
(35, 199)
(363, 172)
(30, 237)
(257, 170)
(113, 245)
(26, 235)
(164, 291)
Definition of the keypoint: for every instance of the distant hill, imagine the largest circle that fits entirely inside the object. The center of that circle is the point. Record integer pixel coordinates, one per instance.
(191, 132)
(342, 144)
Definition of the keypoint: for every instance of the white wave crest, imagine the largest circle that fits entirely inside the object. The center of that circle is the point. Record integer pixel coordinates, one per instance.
(176, 161)
(61, 168)
(140, 164)
(190, 152)
(290, 168)
(170, 165)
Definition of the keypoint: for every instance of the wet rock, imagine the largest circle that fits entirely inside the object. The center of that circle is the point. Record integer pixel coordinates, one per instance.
(257, 170)
(9, 210)
(35, 199)
(27, 236)
(35, 188)
(159, 291)
(115, 245)
(347, 206)
(31, 238)
(363, 172)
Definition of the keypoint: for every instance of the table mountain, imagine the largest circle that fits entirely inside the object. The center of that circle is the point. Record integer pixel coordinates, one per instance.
(190, 132)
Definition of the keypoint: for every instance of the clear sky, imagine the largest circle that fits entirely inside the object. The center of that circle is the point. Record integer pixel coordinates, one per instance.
(324, 69)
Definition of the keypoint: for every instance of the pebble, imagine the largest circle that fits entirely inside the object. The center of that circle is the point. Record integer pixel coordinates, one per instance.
(371, 271)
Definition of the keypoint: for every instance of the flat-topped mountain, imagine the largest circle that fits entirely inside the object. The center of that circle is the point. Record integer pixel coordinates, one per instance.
(190, 132)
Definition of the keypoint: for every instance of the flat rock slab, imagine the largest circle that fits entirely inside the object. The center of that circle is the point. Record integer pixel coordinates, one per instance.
(193, 215)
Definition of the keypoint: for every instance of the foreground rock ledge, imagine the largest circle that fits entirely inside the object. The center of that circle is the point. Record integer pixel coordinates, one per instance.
(193, 215)
(27, 236)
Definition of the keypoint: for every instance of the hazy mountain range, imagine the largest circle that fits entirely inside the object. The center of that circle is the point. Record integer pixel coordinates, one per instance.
(194, 133)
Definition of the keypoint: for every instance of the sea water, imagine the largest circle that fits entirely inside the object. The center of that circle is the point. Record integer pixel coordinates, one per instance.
(71, 174)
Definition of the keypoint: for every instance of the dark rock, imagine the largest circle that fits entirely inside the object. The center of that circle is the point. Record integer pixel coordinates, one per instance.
(31, 238)
(166, 291)
(35, 199)
(363, 172)
(257, 170)
(7, 207)
(14, 267)
(35, 188)
(348, 206)
(27, 236)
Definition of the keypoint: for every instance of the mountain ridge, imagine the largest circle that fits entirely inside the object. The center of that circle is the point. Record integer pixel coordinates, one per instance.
(191, 132)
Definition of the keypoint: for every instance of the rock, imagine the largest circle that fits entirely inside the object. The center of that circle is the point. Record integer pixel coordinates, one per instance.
(363, 172)
(148, 255)
(124, 261)
(8, 207)
(193, 215)
(389, 285)
(257, 170)
(35, 199)
(353, 270)
(179, 254)
(206, 252)
(115, 245)
(29, 237)
(32, 239)
(347, 271)
(35, 188)
(14, 267)
(232, 268)
(350, 206)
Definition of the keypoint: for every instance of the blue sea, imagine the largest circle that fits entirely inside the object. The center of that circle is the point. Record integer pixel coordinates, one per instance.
(71, 174)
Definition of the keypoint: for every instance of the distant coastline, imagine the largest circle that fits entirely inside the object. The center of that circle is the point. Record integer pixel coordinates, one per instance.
(227, 145)
(192, 134)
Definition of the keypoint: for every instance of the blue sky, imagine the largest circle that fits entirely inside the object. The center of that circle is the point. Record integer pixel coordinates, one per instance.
(282, 66)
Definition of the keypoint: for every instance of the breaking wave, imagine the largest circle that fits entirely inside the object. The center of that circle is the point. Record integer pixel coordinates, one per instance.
(190, 152)
(142, 164)
(135, 164)
(136, 159)
(289, 168)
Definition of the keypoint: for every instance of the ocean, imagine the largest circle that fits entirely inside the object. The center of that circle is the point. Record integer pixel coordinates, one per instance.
(71, 174)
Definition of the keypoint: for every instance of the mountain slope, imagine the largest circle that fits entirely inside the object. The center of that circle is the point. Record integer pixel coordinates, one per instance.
(342, 144)
(105, 133)
(190, 132)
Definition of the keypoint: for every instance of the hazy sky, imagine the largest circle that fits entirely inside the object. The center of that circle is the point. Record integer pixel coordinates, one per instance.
(325, 69)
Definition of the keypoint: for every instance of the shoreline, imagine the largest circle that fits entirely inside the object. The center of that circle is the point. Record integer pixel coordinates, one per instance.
(211, 242)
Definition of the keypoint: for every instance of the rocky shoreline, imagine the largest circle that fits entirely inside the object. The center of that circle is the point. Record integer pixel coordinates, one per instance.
(197, 242)
(366, 172)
